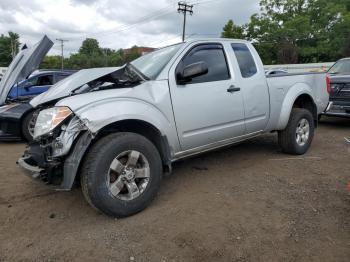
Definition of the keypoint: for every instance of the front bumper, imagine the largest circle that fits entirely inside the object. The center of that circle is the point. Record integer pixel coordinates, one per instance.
(37, 163)
(338, 109)
(32, 171)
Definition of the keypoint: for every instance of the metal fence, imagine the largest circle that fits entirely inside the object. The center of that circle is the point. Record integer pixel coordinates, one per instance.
(299, 68)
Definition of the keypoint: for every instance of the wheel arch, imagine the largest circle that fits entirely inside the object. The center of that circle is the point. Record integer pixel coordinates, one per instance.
(299, 96)
(145, 129)
(305, 101)
(86, 140)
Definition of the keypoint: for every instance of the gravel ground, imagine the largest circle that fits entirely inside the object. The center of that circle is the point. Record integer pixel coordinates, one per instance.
(245, 203)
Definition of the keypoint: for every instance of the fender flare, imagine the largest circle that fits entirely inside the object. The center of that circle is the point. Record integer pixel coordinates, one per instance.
(292, 95)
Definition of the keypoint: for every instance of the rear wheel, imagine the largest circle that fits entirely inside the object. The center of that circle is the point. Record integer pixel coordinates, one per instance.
(296, 138)
(121, 174)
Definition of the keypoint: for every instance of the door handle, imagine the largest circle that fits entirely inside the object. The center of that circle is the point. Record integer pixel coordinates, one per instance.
(233, 89)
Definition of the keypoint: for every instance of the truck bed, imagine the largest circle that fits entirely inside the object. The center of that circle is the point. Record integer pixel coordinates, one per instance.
(280, 85)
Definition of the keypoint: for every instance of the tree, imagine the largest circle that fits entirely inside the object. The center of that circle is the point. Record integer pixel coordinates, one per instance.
(9, 47)
(51, 62)
(300, 31)
(14, 39)
(231, 30)
(90, 46)
(346, 51)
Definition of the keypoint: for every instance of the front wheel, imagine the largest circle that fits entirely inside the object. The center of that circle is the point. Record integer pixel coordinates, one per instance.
(296, 138)
(28, 125)
(121, 174)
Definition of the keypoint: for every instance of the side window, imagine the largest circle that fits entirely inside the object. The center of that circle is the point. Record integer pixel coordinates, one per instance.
(60, 77)
(45, 80)
(245, 60)
(213, 55)
(33, 81)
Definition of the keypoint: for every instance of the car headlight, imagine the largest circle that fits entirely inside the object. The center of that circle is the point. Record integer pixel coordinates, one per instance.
(335, 86)
(7, 107)
(49, 119)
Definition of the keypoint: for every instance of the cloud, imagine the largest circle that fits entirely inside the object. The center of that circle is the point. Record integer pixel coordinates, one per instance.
(118, 24)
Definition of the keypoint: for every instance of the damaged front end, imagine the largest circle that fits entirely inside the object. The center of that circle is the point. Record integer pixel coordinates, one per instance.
(61, 137)
(54, 157)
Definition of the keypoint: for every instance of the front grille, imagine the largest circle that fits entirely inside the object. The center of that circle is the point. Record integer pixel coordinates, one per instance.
(341, 92)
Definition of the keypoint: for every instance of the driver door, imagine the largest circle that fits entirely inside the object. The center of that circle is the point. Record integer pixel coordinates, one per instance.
(38, 85)
(209, 108)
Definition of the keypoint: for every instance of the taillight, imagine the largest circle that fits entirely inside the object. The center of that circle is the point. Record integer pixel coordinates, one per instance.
(328, 81)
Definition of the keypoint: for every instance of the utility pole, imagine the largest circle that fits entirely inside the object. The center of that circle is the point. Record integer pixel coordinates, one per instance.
(62, 44)
(184, 8)
(12, 49)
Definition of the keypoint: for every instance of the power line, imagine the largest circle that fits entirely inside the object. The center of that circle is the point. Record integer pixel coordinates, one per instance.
(184, 8)
(62, 45)
(204, 2)
(160, 12)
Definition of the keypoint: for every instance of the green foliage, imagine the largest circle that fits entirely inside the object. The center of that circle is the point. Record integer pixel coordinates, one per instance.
(9, 47)
(300, 31)
(91, 55)
(51, 62)
(231, 30)
(90, 47)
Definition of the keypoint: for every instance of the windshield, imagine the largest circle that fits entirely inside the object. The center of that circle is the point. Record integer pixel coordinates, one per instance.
(342, 67)
(153, 63)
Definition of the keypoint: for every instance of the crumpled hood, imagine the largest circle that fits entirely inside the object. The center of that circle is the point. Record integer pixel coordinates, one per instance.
(25, 62)
(65, 87)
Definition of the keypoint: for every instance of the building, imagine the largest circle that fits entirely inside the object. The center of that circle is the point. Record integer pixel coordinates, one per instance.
(141, 50)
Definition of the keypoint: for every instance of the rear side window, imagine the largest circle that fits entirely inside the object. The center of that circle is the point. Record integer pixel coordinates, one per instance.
(60, 77)
(245, 60)
(213, 55)
(45, 80)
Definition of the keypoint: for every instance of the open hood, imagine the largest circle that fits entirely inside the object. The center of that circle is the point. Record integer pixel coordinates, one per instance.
(25, 62)
(65, 87)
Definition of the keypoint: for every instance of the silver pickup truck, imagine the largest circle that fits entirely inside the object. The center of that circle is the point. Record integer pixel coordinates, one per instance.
(118, 130)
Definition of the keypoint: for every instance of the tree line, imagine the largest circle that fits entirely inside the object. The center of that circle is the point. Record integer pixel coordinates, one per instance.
(297, 31)
(285, 31)
(91, 55)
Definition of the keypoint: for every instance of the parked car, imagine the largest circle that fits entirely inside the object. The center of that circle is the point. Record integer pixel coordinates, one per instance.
(20, 85)
(339, 100)
(276, 72)
(118, 129)
(38, 82)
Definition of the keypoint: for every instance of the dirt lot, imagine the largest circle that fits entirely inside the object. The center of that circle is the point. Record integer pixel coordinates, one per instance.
(245, 203)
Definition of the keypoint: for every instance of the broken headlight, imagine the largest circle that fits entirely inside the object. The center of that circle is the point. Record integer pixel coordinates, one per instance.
(49, 119)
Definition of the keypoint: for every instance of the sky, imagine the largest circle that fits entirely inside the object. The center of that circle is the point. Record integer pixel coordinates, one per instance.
(118, 24)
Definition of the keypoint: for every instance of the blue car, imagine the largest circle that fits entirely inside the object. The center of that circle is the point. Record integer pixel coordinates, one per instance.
(37, 83)
(20, 84)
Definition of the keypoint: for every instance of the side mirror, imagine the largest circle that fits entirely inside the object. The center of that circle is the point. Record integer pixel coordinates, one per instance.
(191, 71)
(27, 85)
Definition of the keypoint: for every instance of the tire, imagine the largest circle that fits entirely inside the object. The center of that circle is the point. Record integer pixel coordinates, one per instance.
(97, 174)
(287, 138)
(26, 122)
